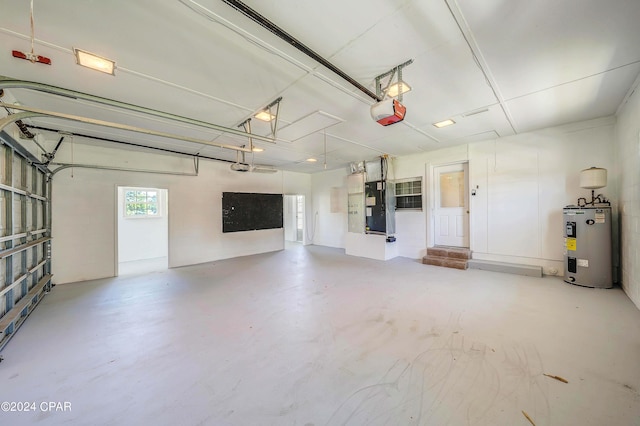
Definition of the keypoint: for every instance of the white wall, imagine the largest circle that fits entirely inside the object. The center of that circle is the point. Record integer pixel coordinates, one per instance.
(628, 173)
(84, 210)
(523, 183)
(329, 228)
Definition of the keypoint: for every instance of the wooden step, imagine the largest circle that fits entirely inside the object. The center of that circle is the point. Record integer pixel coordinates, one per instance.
(449, 257)
(447, 262)
(452, 252)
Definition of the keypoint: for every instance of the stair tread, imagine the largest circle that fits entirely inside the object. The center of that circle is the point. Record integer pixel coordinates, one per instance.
(445, 262)
(452, 259)
(450, 252)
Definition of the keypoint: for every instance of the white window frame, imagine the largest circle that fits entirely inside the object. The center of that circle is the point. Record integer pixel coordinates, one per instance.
(142, 216)
(413, 194)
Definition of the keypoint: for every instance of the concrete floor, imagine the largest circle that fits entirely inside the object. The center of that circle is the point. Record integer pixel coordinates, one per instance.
(309, 336)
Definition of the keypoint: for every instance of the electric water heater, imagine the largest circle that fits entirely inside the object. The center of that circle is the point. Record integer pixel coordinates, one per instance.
(587, 254)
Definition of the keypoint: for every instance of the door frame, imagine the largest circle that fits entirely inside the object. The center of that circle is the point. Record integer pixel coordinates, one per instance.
(302, 215)
(430, 170)
(165, 203)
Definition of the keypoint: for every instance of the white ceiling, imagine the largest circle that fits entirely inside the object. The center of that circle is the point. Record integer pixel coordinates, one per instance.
(529, 64)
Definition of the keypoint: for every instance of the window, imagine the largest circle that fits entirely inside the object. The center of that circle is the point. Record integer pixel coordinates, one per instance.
(409, 194)
(452, 189)
(141, 203)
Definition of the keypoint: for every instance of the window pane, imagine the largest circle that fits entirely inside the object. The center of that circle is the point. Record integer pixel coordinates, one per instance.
(402, 188)
(141, 203)
(409, 202)
(452, 189)
(139, 209)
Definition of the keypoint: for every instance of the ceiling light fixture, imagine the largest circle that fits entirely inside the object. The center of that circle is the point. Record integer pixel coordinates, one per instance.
(394, 90)
(264, 116)
(311, 160)
(95, 62)
(444, 123)
(257, 149)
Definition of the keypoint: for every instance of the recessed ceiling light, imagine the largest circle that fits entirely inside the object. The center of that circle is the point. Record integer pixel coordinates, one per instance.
(394, 89)
(264, 116)
(257, 149)
(311, 160)
(444, 123)
(95, 62)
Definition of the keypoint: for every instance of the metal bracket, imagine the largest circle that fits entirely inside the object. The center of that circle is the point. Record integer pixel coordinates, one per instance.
(382, 92)
(272, 123)
(246, 125)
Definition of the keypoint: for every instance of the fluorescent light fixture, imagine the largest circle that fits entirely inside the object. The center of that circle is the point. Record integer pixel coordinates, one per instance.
(394, 89)
(95, 62)
(264, 116)
(257, 149)
(445, 123)
(311, 160)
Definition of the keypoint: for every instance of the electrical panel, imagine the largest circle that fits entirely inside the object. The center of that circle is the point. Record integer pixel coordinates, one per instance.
(379, 207)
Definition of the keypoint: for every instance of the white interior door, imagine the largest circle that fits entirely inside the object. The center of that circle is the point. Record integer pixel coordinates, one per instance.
(451, 212)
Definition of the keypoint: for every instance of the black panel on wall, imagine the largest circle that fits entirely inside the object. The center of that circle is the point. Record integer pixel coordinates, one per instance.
(248, 211)
(376, 221)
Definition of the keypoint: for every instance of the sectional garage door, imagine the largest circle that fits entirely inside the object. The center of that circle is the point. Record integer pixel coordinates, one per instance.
(25, 234)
